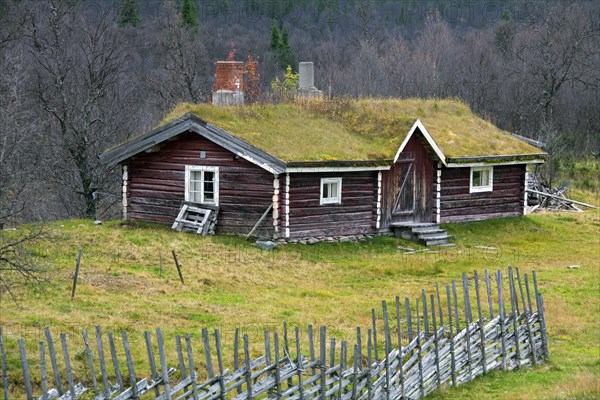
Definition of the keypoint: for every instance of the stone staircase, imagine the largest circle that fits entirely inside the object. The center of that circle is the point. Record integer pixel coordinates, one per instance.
(425, 233)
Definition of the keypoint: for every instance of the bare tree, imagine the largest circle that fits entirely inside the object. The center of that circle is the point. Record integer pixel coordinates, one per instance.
(184, 63)
(78, 68)
(558, 48)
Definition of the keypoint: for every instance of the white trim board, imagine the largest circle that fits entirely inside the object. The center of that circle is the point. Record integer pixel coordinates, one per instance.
(425, 133)
(335, 169)
(493, 164)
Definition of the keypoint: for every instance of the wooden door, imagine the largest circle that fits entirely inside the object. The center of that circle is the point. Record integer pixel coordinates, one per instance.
(404, 204)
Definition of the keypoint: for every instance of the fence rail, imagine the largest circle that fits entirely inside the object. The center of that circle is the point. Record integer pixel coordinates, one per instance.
(425, 344)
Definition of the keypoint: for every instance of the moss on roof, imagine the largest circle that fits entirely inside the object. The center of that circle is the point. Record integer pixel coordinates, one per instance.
(363, 129)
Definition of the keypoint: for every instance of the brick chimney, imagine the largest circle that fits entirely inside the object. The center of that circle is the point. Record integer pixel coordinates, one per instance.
(229, 83)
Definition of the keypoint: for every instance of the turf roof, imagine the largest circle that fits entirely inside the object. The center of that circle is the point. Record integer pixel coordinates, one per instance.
(364, 129)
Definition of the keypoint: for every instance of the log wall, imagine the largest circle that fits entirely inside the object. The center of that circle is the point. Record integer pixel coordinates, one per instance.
(157, 184)
(506, 199)
(357, 214)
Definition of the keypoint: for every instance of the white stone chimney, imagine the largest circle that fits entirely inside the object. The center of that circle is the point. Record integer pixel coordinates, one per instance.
(306, 81)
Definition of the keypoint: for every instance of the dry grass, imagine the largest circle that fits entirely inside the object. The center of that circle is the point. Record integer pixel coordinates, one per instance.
(357, 129)
(229, 283)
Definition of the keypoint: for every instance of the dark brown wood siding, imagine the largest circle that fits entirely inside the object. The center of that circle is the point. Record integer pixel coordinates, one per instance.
(420, 184)
(506, 198)
(355, 215)
(157, 183)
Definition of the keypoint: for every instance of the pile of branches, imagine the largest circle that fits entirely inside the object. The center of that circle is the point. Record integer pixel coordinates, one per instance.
(541, 197)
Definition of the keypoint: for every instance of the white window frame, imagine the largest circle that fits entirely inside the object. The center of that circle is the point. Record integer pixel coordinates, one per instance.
(478, 189)
(331, 200)
(195, 168)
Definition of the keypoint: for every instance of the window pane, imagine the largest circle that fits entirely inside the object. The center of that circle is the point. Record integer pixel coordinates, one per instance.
(209, 176)
(326, 190)
(195, 197)
(476, 178)
(334, 190)
(485, 177)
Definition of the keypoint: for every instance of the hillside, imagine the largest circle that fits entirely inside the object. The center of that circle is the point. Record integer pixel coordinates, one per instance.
(229, 283)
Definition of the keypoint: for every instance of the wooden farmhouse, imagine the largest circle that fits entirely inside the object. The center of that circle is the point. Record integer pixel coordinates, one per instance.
(321, 169)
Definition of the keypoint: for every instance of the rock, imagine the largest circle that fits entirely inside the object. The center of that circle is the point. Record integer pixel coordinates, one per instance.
(97, 222)
(360, 237)
(330, 239)
(574, 266)
(344, 239)
(352, 238)
(266, 244)
(312, 240)
(302, 241)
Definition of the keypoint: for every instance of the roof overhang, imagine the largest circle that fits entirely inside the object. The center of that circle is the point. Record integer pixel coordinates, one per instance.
(480, 161)
(192, 123)
(421, 128)
(338, 166)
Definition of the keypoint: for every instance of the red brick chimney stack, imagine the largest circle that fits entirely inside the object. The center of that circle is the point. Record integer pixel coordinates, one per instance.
(229, 83)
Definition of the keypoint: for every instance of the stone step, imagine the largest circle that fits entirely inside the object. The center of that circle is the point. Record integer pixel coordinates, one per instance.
(426, 229)
(412, 224)
(440, 234)
(435, 242)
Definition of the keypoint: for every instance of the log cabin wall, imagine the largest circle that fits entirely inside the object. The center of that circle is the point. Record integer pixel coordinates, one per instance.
(156, 185)
(357, 213)
(506, 198)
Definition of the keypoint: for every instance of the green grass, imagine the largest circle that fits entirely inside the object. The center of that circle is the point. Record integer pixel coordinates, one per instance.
(368, 128)
(229, 283)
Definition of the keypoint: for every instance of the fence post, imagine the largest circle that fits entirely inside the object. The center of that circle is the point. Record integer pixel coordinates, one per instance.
(219, 362)
(465, 286)
(4, 367)
(163, 363)
(502, 318)
(540, 307)
(192, 367)
(105, 385)
(90, 360)
(25, 369)
(52, 354)
(115, 360)
(435, 343)
(452, 355)
(299, 366)
(63, 341)
(151, 361)
(400, 355)
(43, 372)
(481, 327)
(323, 361)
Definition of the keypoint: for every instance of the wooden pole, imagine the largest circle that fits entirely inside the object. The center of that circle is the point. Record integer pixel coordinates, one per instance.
(43, 372)
(177, 265)
(262, 218)
(25, 368)
(4, 367)
(564, 200)
(53, 361)
(76, 276)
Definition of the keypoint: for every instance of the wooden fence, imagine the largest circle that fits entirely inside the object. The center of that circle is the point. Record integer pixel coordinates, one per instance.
(412, 348)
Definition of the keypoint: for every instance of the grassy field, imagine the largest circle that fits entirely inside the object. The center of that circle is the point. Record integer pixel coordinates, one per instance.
(229, 283)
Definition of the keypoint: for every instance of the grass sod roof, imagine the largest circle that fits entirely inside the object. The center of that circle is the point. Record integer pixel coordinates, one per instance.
(364, 129)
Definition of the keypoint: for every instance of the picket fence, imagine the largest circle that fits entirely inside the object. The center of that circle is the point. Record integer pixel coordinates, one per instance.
(412, 349)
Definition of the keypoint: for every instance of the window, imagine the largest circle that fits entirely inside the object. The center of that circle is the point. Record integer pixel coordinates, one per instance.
(202, 184)
(482, 179)
(331, 190)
